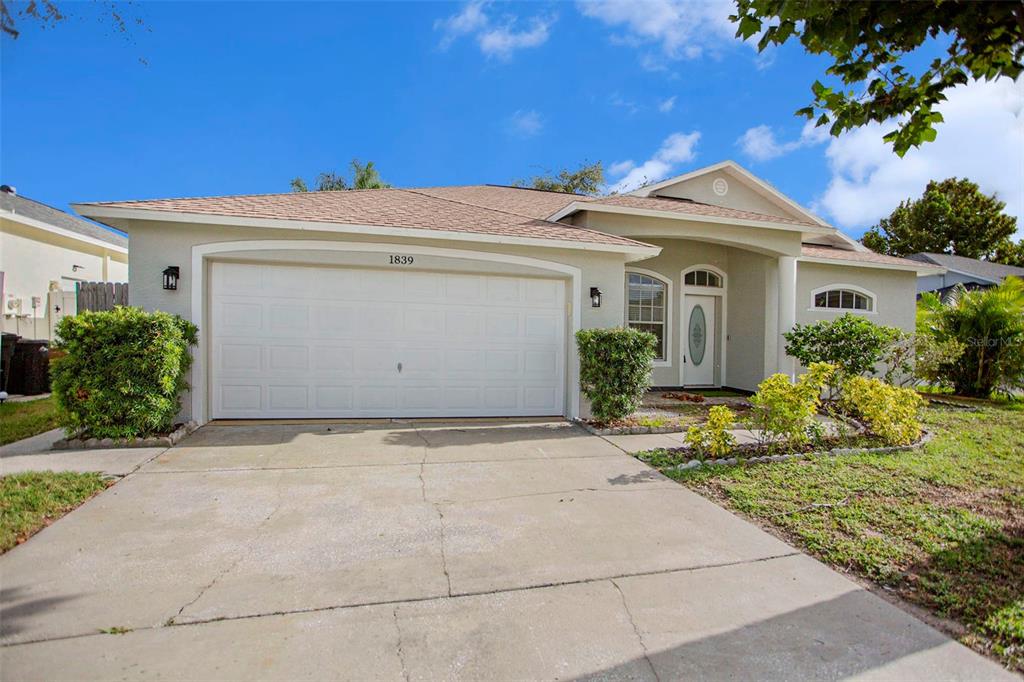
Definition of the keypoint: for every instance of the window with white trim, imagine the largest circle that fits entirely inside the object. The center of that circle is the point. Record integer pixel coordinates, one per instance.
(702, 278)
(646, 305)
(843, 299)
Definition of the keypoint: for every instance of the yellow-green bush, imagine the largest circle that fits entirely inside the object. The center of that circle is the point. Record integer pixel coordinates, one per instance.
(889, 412)
(713, 437)
(784, 411)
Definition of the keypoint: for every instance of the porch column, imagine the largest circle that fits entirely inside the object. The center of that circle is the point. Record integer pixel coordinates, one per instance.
(787, 311)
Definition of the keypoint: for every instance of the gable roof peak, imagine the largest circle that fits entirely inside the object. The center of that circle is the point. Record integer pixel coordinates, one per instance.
(757, 184)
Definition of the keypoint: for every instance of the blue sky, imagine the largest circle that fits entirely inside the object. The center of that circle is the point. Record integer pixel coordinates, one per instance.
(241, 97)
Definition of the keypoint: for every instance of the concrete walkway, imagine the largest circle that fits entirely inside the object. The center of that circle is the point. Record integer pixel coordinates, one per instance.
(34, 454)
(530, 551)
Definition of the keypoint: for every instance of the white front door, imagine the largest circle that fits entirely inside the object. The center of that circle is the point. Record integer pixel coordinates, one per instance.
(298, 341)
(699, 341)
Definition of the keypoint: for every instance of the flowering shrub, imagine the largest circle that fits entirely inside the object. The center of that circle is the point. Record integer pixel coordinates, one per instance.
(713, 437)
(890, 412)
(615, 369)
(784, 411)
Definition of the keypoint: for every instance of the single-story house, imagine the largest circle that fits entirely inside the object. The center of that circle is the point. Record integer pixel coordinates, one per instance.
(463, 301)
(971, 272)
(44, 253)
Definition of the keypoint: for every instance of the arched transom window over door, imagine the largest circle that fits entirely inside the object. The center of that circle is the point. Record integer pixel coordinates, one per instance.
(647, 300)
(702, 278)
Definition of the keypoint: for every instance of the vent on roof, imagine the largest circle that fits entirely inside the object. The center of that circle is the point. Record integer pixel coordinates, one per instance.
(7, 189)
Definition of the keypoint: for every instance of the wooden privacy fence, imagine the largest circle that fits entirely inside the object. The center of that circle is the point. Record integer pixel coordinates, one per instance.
(100, 295)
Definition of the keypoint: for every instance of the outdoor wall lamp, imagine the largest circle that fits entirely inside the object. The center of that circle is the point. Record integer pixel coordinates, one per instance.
(595, 297)
(171, 273)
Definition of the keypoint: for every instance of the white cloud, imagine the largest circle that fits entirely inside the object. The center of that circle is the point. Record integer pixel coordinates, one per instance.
(496, 37)
(677, 148)
(525, 124)
(619, 101)
(504, 40)
(981, 139)
(682, 29)
(760, 144)
(621, 167)
(667, 105)
(469, 20)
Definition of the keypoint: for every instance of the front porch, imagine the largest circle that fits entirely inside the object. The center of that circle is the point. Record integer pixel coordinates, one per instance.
(716, 311)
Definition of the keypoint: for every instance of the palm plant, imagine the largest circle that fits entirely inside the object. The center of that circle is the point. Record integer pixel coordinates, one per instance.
(990, 325)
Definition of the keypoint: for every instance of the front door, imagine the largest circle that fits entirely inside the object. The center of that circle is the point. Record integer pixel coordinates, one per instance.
(699, 341)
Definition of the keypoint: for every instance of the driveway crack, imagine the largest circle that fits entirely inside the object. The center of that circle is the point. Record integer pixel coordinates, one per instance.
(636, 629)
(234, 564)
(400, 651)
(436, 506)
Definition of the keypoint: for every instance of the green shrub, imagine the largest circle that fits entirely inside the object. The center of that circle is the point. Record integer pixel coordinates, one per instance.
(850, 342)
(123, 371)
(989, 327)
(931, 358)
(784, 411)
(889, 412)
(615, 369)
(713, 437)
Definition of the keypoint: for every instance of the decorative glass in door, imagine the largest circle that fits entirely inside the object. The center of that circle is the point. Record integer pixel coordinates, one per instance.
(698, 335)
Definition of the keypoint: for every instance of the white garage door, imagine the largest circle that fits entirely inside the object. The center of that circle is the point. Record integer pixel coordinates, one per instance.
(293, 341)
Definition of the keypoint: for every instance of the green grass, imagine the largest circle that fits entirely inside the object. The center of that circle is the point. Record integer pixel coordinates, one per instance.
(30, 501)
(943, 526)
(23, 419)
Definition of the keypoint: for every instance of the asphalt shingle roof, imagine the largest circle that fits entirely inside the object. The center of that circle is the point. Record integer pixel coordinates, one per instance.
(486, 209)
(500, 211)
(995, 272)
(30, 208)
(689, 207)
(832, 253)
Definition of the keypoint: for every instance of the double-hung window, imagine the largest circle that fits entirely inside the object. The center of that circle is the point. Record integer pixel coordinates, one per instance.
(647, 302)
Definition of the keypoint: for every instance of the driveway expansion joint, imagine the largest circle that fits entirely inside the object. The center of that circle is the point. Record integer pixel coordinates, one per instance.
(306, 467)
(432, 598)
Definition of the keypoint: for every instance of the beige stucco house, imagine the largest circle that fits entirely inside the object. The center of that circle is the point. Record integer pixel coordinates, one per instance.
(463, 301)
(44, 253)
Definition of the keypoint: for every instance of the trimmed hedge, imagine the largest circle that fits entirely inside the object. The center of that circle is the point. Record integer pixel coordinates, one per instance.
(123, 372)
(615, 369)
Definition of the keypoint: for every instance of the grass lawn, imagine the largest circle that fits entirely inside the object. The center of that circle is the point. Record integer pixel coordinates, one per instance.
(32, 500)
(942, 527)
(23, 419)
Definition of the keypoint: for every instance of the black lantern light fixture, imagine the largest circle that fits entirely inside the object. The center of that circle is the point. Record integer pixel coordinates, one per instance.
(595, 297)
(171, 273)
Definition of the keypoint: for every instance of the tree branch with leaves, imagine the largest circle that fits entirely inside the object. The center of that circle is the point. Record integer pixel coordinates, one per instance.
(869, 43)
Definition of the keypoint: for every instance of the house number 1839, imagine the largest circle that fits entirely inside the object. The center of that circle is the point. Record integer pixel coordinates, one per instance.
(401, 260)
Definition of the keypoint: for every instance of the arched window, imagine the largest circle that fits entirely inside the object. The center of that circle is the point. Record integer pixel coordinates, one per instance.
(702, 278)
(843, 297)
(646, 307)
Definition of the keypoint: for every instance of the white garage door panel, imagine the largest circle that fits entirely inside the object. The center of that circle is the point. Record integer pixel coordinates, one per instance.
(290, 341)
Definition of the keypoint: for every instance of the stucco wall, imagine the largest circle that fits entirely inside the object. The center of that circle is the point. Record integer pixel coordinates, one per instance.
(750, 309)
(895, 292)
(155, 245)
(738, 196)
(644, 228)
(31, 258)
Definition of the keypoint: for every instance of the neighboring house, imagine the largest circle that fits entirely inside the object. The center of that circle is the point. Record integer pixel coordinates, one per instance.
(972, 273)
(463, 301)
(44, 253)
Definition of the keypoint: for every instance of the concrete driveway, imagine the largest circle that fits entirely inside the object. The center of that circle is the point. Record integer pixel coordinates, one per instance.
(428, 552)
